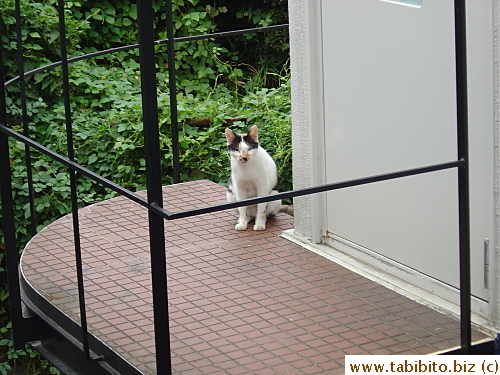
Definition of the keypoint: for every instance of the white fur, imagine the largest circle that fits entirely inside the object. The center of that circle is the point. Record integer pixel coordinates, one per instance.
(253, 174)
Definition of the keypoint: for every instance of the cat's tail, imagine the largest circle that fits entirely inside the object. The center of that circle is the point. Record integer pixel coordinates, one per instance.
(287, 209)
(276, 206)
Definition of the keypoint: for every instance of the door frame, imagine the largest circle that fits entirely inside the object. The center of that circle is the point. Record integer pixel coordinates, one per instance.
(309, 164)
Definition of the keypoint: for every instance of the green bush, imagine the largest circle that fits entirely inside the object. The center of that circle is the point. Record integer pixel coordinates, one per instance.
(109, 141)
(217, 88)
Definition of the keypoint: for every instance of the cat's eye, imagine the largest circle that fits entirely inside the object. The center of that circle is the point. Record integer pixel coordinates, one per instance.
(233, 147)
(252, 144)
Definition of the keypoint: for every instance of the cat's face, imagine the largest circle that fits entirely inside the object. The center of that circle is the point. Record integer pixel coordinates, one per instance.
(242, 147)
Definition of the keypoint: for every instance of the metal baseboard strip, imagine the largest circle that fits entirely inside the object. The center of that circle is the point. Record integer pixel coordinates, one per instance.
(58, 341)
(488, 347)
(66, 357)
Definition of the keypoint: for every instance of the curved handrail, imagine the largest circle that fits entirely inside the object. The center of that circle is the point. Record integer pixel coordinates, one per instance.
(157, 42)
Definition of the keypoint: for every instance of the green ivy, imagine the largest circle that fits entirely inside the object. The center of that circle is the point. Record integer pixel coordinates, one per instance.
(215, 89)
(108, 136)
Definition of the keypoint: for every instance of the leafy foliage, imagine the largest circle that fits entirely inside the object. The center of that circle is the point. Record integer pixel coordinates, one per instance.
(220, 83)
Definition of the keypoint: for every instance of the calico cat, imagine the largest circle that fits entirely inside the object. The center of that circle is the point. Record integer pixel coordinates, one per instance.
(253, 174)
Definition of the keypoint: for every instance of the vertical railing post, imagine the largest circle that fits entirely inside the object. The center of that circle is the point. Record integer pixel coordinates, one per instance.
(22, 90)
(154, 185)
(9, 229)
(172, 89)
(73, 183)
(463, 175)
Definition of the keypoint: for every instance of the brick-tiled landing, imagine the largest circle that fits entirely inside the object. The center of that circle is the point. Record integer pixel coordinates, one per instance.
(240, 302)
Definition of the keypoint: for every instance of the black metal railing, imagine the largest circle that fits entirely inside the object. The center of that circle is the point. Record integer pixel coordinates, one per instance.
(157, 214)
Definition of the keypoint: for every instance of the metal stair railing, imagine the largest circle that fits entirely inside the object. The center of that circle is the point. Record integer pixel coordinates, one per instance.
(23, 331)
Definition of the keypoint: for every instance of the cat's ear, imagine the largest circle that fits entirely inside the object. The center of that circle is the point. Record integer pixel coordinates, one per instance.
(253, 133)
(230, 136)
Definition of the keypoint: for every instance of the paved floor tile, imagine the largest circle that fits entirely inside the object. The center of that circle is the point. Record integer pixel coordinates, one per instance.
(240, 302)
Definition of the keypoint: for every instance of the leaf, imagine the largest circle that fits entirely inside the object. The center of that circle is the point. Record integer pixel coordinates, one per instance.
(54, 35)
(92, 158)
(3, 294)
(4, 367)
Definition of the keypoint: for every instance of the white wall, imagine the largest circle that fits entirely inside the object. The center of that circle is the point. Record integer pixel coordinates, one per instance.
(307, 109)
(311, 160)
(495, 298)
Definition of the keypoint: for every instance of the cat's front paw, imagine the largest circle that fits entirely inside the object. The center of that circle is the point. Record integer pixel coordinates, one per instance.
(240, 226)
(259, 226)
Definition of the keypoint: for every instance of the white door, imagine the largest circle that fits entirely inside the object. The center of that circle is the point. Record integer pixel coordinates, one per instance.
(389, 94)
